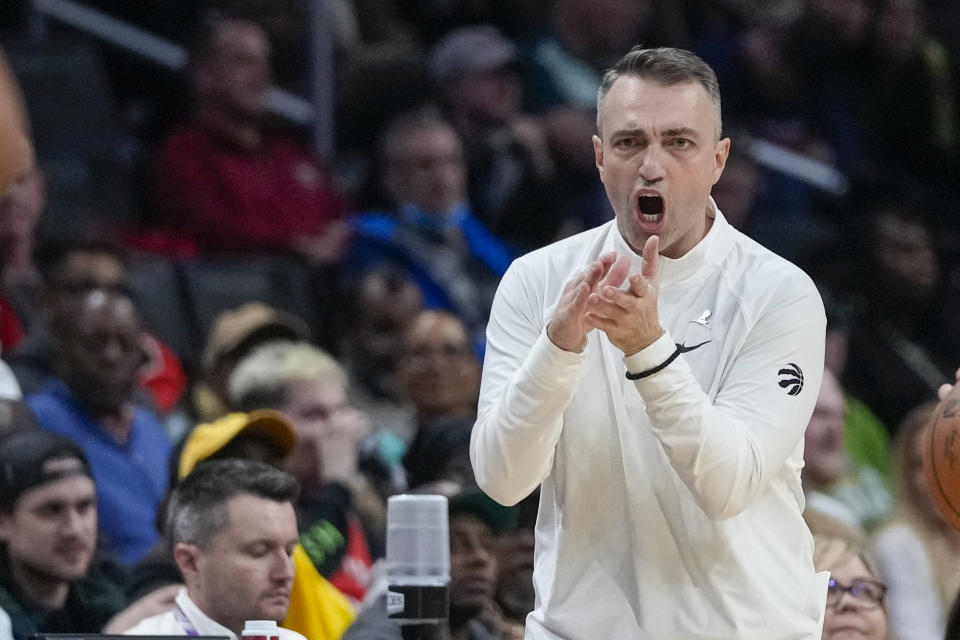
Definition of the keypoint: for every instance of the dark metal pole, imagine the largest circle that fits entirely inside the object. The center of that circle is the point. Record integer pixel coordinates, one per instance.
(322, 77)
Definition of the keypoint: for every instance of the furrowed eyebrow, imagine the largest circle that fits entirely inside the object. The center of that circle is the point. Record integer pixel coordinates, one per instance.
(628, 133)
(685, 132)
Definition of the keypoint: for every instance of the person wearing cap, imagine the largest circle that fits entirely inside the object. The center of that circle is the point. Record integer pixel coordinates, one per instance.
(233, 531)
(262, 436)
(430, 230)
(92, 403)
(317, 609)
(48, 535)
(234, 334)
(475, 522)
(265, 436)
(475, 73)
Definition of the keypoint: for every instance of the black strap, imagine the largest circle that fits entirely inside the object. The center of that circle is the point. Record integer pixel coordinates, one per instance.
(660, 367)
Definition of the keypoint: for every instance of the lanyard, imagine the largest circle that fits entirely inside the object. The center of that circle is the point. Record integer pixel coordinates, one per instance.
(188, 627)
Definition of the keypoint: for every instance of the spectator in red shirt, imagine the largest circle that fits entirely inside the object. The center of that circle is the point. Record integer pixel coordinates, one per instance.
(224, 182)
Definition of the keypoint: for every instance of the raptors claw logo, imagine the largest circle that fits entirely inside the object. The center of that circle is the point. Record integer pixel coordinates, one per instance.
(791, 378)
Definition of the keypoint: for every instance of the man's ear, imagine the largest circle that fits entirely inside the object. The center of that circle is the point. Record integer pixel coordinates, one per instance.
(720, 155)
(187, 557)
(598, 154)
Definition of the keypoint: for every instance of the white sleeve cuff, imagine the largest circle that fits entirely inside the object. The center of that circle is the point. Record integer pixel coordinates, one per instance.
(652, 355)
(551, 365)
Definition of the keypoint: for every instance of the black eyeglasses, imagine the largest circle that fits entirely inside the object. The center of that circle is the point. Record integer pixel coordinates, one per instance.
(867, 593)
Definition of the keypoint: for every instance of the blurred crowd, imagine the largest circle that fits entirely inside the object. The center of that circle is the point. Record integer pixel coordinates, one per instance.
(183, 279)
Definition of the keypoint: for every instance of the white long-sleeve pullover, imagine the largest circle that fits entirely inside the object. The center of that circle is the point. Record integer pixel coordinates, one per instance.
(670, 506)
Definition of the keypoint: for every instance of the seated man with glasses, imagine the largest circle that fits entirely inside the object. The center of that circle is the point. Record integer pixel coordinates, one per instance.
(855, 593)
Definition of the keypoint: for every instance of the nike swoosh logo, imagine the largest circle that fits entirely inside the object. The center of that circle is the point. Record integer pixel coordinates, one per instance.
(682, 348)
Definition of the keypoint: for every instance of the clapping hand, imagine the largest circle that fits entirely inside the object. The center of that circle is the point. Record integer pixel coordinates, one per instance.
(568, 328)
(630, 318)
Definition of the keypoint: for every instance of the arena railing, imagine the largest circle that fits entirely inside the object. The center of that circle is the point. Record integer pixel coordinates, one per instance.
(318, 112)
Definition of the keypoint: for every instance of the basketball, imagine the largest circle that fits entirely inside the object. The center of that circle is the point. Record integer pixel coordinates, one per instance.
(941, 457)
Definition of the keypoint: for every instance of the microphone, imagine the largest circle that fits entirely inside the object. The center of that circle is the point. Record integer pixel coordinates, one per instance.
(418, 564)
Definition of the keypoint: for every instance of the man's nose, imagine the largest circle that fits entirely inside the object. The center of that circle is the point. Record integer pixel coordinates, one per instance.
(480, 555)
(651, 163)
(74, 522)
(283, 568)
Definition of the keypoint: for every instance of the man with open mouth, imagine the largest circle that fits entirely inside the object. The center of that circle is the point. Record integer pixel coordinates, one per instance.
(654, 376)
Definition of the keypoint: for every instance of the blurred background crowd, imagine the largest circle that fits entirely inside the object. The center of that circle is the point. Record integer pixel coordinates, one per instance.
(215, 210)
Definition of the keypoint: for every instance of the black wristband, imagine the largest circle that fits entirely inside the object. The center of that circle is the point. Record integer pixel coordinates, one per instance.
(660, 367)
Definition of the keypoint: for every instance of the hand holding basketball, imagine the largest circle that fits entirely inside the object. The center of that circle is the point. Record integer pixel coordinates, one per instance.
(946, 388)
(941, 454)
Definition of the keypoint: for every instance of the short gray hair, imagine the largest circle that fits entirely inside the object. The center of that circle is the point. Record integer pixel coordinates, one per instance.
(666, 65)
(198, 506)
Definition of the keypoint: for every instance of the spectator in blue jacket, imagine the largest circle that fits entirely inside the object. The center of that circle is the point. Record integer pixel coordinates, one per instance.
(431, 231)
(92, 402)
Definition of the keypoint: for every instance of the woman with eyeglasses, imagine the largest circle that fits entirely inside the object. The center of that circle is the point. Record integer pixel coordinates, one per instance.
(855, 595)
